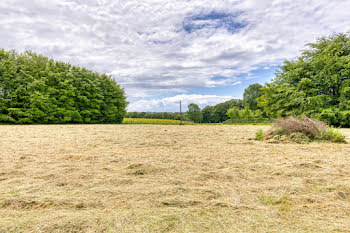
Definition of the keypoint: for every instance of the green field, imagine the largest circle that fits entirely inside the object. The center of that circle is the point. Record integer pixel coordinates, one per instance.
(155, 121)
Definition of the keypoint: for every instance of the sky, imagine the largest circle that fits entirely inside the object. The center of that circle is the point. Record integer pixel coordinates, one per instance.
(164, 51)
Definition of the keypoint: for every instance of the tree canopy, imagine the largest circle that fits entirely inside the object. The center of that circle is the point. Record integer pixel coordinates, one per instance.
(316, 84)
(35, 89)
(194, 113)
(250, 95)
(155, 115)
(217, 113)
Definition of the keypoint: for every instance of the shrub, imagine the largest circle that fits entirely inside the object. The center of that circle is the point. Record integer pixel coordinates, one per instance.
(332, 135)
(259, 135)
(301, 131)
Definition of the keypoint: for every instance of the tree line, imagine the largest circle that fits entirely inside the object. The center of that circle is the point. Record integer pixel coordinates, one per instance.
(245, 108)
(317, 84)
(154, 115)
(36, 89)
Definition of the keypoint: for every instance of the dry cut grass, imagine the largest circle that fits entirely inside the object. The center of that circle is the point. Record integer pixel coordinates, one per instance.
(308, 126)
(156, 178)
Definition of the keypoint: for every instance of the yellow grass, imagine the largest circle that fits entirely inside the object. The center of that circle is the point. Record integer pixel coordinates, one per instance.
(154, 121)
(156, 178)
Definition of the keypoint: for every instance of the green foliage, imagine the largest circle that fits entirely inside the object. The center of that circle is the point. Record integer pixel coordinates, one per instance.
(259, 135)
(332, 135)
(234, 113)
(218, 113)
(250, 121)
(316, 84)
(206, 112)
(258, 113)
(194, 113)
(250, 95)
(35, 89)
(155, 115)
(245, 113)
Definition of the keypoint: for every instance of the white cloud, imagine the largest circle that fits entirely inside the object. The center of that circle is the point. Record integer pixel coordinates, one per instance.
(171, 104)
(154, 47)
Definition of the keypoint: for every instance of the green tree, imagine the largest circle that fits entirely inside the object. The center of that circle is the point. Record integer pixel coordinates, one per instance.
(219, 111)
(35, 89)
(207, 112)
(234, 113)
(316, 84)
(194, 113)
(258, 113)
(246, 113)
(250, 95)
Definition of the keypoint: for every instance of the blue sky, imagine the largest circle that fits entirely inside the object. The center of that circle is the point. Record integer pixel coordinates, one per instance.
(163, 51)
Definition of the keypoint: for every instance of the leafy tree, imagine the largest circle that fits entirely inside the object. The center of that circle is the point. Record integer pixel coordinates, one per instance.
(250, 95)
(234, 113)
(35, 89)
(316, 84)
(246, 113)
(258, 113)
(218, 113)
(194, 113)
(206, 112)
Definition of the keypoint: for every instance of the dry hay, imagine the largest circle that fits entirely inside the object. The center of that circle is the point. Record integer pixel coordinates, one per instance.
(154, 178)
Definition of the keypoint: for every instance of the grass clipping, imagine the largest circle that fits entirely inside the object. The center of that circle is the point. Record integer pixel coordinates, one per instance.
(300, 131)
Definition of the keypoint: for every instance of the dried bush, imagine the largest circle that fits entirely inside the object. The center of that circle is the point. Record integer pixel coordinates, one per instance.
(303, 130)
(307, 126)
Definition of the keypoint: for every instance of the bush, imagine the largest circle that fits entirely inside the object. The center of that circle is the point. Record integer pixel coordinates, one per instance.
(332, 135)
(307, 126)
(259, 135)
(302, 131)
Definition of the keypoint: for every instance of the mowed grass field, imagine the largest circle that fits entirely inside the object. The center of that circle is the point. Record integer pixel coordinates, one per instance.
(169, 178)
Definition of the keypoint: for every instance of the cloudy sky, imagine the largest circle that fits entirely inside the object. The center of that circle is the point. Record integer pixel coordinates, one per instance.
(163, 51)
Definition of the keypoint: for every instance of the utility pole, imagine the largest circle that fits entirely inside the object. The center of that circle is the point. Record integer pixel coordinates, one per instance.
(180, 113)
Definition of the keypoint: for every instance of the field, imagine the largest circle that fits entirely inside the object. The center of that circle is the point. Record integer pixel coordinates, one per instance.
(155, 121)
(157, 178)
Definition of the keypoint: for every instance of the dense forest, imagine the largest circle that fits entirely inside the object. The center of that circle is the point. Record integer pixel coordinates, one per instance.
(35, 89)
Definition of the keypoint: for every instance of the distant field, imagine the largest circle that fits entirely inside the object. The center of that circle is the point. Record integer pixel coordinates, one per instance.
(169, 178)
(252, 121)
(155, 121)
